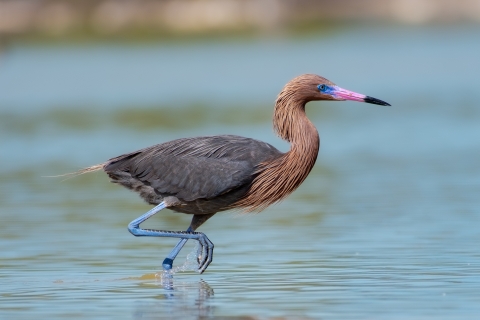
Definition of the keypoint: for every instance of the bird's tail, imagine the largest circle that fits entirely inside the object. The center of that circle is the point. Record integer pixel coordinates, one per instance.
(81, 171)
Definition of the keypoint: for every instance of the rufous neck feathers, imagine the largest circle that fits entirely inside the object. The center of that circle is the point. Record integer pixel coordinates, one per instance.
(279, 177)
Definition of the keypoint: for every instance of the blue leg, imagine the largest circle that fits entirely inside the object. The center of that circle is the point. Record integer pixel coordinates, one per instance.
(197, 221)
(168, 262)
(205, 243)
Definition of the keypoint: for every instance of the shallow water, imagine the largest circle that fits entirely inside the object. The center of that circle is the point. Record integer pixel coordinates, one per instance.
(385, 227)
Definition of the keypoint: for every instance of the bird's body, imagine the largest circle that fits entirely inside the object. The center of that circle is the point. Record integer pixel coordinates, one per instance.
(205, 175)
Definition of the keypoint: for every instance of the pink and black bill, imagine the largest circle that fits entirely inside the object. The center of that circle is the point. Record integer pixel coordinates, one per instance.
(342, 94)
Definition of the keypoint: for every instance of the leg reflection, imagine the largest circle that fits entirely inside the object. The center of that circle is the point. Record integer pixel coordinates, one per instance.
(180, 300)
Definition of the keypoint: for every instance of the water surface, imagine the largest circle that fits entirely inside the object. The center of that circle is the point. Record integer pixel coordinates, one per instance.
(385, 227)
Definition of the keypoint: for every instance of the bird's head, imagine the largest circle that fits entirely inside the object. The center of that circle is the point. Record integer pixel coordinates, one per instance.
(310, 87)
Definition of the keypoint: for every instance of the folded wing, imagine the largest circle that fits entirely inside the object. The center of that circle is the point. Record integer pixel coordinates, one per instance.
(196, 168)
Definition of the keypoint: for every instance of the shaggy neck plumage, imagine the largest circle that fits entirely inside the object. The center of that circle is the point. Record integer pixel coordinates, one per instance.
(279, 177)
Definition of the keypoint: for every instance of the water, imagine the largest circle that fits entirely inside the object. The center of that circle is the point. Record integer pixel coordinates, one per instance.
(385, 227)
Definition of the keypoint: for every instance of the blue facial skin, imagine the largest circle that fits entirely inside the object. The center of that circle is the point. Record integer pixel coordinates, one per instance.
(325, 89)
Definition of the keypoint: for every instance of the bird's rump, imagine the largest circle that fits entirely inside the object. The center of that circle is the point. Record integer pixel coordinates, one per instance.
(195, 168)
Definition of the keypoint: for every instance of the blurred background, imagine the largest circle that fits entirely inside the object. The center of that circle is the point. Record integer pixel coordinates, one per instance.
(386, 225)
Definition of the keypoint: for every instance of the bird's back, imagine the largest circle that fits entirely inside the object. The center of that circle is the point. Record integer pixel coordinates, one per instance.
(207, 174)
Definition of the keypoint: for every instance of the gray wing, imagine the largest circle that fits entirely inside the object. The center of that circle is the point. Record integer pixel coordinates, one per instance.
(196, 168)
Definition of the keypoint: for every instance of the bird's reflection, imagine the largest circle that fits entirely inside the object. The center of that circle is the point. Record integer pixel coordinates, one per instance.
(179, 300)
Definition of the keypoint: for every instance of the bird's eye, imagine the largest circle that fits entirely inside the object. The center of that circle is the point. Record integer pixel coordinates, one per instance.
(322, 87)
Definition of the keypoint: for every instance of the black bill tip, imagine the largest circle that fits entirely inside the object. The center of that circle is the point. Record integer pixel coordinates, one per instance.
(369, 99)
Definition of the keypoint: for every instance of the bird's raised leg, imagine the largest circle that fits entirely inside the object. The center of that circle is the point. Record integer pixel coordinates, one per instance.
(197, 221)
(205, 244)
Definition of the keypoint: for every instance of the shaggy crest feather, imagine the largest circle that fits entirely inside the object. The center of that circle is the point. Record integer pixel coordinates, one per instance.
(278, 178)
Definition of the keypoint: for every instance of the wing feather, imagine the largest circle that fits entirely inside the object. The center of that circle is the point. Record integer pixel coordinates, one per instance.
(196, 168)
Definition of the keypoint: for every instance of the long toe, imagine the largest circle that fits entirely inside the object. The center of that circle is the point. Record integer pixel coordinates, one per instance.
(207, 253)
(202, 252)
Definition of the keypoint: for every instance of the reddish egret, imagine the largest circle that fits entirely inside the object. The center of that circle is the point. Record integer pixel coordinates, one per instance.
(204, 175)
